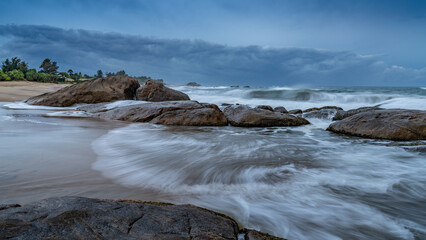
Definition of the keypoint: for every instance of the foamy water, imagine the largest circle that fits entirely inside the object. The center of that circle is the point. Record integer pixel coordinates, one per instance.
(302, 98)
(299, 183)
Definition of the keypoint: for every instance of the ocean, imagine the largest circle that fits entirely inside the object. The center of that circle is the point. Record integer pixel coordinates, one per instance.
(293, 182)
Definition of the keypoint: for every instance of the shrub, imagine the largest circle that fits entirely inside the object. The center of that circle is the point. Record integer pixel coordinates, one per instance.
(33, 75)
(16, 75)
(4, 77)
(46, 77)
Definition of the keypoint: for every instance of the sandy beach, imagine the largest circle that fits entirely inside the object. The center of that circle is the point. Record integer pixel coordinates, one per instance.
(12, 91)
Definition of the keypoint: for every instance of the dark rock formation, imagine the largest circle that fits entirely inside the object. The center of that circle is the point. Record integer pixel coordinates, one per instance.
(244, 116)
(344, 114)
(393, 124)
(95, 91)
(189, 113)
(280, 109)
(326, 112)
(85, 218)
(295, 111)
(154, 91)
(192, 84)
(255, 235)
(321, 108)
(266, 107)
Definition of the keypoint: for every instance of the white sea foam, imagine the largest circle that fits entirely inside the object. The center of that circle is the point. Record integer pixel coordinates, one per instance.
(299, 183)
(299, 98)
(418, 103)
(70, 114)
(25, 106)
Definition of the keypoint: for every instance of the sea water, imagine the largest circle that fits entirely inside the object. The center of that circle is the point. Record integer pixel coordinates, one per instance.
(294, 182)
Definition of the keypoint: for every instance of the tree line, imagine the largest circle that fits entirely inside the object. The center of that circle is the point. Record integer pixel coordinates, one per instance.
(16, 69)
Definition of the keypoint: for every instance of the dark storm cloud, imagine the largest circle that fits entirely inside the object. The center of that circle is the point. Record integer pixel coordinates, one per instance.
(180, 61)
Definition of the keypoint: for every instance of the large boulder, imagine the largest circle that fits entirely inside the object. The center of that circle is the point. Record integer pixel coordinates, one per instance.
(189, 113)
(393, 124)
(280, 109)
(154, 91)
(344, 114)
(245, 116)
(94, 91)
(85, 218)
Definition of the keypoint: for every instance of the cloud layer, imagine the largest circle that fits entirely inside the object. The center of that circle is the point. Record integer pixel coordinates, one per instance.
(180, 61)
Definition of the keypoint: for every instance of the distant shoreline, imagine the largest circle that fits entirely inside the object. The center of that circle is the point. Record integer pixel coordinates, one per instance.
(12, 91)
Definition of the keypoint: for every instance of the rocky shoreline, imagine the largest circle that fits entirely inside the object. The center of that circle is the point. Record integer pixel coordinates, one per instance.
(73, 217)
(171, 107)
(88, 218)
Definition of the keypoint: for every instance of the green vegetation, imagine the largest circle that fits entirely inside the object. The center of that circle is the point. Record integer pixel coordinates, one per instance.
(4, 76)
(143, 79)
(16, 69)
(48, 67)
(99, 74)
(16, 74)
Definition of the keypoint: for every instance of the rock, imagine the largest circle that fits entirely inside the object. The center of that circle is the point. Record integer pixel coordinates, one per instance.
(192, 84)
(94, 91)
(326, 112)
(344, 114)
(295, 111)
(88, 218)
(321, 108)
(244, 116)
(154, 91)
(225, 104)
(85, 218)
(280, 109)
(255, 235)
(266, 107)
(392, 124)
(189, 113)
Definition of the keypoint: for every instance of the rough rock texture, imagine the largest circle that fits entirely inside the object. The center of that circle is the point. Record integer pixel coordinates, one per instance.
(244, 116)
(393, 124)
(266, 107)
(344, 114)
(295, 111)
(95, 91)
(189, 113)
(280, 109)
(86, 218)
(321, 108)
(255, 235)
(154, 91)
(326, 112)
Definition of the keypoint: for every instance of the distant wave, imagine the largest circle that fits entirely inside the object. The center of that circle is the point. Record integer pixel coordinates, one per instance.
(292, 97)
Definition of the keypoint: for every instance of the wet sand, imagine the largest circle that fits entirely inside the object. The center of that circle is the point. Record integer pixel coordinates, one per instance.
(48, 157)
(12, 91)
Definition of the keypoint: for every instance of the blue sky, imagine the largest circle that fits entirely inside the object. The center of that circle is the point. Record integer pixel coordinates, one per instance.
(225, 42)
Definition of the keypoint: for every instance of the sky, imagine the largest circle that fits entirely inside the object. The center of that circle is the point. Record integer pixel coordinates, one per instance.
(225, 42)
